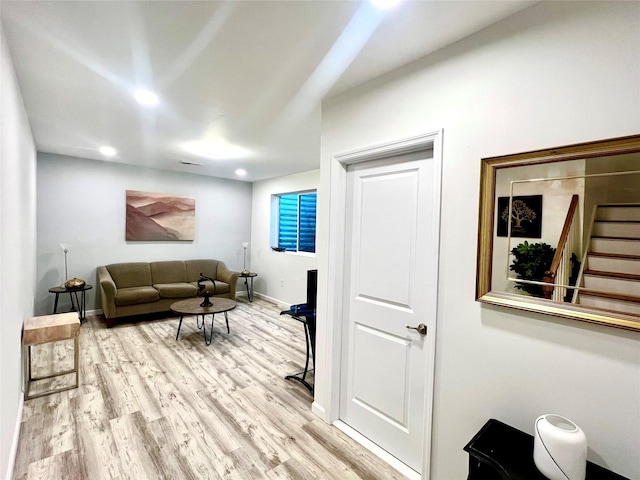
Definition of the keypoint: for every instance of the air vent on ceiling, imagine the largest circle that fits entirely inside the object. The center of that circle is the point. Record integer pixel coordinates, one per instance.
(184, 162)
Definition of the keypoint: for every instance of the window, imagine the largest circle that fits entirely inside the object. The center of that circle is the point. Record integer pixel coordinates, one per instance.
(296, 221)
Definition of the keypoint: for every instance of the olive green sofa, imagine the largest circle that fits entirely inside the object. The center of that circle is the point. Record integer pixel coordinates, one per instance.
(137, 288)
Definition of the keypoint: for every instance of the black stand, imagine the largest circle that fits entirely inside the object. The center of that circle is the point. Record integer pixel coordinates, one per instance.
(501, 452)
(308, 319)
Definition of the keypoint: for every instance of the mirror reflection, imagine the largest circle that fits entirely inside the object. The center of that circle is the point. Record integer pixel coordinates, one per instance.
(578, 226)
(565, 233)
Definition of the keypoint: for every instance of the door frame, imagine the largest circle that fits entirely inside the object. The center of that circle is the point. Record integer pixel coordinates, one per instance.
(327, 403)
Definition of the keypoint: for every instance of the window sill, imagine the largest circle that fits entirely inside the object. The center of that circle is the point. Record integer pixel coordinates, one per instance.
(297, 254)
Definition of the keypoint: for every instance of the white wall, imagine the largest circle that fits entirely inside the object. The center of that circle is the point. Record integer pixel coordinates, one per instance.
(274, 268)
(17, 244)
(554, 74)
(619, 189)
(82, 202)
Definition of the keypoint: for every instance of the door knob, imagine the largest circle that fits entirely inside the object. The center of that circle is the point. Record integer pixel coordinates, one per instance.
(421, 329)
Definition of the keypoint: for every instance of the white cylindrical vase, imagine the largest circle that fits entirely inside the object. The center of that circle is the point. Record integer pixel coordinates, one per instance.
(559, 448)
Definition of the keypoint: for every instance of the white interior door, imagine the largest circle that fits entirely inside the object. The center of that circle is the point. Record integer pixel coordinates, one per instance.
(391, 247)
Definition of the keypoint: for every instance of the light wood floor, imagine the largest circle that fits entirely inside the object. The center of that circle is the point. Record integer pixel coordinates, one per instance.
(151, 407)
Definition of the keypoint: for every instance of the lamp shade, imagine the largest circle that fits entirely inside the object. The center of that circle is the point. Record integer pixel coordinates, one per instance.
(559, 448)
(245, 244)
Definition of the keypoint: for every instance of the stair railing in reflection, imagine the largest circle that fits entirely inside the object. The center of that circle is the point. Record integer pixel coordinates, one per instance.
(561, 268)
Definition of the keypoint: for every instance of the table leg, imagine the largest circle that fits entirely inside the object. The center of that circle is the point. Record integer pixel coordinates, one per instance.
(302, 379)
(75, 307)
(28, 387)
(55, 304)
(227, 320)
(79, 303)
(76, 358)
(83, 306)
(204, 330)
(311, 328)
(306, 363)
(179, 325)
(29, 363)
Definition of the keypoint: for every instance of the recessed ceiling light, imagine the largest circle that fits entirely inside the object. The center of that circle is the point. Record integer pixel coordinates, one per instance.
(385, 4)
(241, 172)
(146, 97)
(108, 151)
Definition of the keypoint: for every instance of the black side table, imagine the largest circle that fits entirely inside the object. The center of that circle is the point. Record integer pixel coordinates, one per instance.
(308, 318)
(501, 452)
(248, 281)
(79, 305)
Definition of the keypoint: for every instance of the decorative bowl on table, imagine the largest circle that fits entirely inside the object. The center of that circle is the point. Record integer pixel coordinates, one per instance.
(74, 284)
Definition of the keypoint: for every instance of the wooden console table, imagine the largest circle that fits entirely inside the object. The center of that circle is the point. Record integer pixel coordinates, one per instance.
(501, 452)
(46, 329)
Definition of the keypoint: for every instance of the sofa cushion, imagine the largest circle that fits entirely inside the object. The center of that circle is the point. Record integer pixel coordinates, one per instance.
(221, 287)
(136, 295)
(168, 272)
(175, 290)
(195, 267)
(132, 274)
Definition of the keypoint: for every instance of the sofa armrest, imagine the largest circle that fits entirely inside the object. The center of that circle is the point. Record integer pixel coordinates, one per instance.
(228, 276)
(108, 292)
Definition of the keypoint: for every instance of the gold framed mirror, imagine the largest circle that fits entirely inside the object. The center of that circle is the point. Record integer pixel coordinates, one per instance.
(559, 232)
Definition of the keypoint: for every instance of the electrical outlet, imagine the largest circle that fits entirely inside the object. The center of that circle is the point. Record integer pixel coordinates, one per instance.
(282, 282)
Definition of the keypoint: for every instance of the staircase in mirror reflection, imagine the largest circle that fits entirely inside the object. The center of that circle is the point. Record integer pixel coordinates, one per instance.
(610, 273)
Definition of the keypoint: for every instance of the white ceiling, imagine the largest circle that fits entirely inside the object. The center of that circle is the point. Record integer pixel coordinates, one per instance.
(247, 74)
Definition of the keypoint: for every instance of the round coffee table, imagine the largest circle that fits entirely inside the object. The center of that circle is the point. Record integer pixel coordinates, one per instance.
(192, 306)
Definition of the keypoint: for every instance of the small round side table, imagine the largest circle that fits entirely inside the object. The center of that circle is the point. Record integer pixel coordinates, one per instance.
(248, 281)
(80, 303)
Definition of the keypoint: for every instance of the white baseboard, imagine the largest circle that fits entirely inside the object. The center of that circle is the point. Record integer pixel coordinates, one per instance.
(382, 454)
(275, 301)
(16, 438)
(97, 311)
(319, 410)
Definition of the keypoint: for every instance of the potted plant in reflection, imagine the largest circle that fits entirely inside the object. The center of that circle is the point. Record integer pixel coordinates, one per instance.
(530, 262)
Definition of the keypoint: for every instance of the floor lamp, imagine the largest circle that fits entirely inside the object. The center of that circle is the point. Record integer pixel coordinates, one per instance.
(244, 262)
(65, 249)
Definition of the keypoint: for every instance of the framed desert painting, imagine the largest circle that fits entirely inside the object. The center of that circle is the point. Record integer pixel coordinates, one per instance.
(159, 217)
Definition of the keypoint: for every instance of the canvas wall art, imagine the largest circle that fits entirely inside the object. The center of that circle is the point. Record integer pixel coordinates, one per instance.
(526, 216)
(159, 216)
